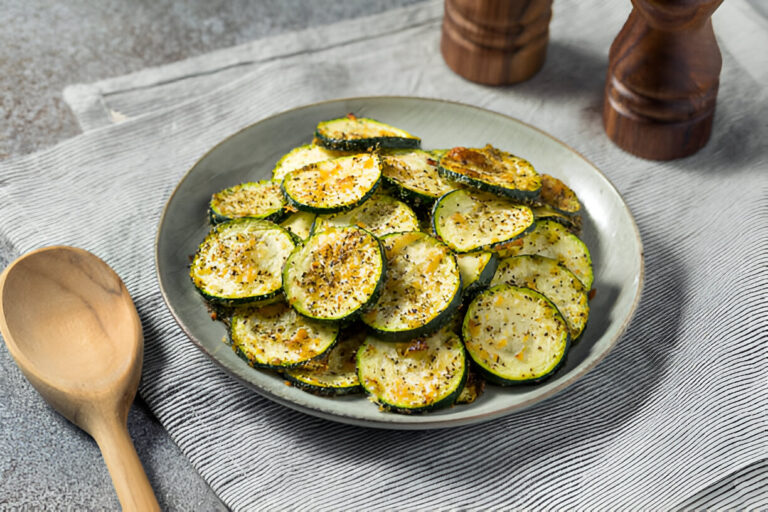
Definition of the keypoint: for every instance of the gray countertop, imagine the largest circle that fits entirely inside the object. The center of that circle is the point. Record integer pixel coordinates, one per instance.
(45, 461)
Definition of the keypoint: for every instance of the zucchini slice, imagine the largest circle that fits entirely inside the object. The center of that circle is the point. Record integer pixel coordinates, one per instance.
(333, 185)
(300, 224)
(477, 270)
(557, 195)
(422, 289)
(335, 274)
(302, 156)
(275, 337)
(362, 134)
(553, 240)
(256, 200)
(469, 221)
(552, 280)
(336, 372)
(380, 215)
(492, 170)
(413, 175)
(414, 376)
(515, 335)
(240, 261)
(571, 222)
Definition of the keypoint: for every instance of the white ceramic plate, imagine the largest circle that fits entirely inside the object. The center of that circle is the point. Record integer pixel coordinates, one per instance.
(609, 232)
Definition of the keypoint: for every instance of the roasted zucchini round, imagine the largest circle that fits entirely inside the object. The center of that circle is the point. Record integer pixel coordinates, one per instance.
(255, 200)
(492, 170)
(334, 185)
(422, 290)
(335, 274)
(276, 337)
(362, 134)
(240, 261)
(469, 221)
(515, 335)
(414, 376)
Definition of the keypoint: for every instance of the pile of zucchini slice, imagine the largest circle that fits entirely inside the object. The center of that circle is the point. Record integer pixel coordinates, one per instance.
(370, 265)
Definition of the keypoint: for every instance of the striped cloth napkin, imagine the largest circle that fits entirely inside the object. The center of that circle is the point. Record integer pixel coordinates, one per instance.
(679, 405)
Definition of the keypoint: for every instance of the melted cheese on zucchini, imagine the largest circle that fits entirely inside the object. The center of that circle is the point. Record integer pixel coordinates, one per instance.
(276, 336)
(254, 199)
(334, 274)
(515, 334)
(301, 156)
(411, 375)
(333, 185)
(422, 281)
(241, 259)
(380, 215)
(552, 240)
(552, 280)
(469, 221)
(416, 171)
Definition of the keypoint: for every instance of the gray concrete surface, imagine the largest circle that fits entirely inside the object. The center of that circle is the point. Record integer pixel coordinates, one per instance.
(46, 463)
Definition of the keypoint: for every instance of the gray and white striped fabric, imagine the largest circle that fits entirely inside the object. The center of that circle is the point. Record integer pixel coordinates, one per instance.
(679, 405)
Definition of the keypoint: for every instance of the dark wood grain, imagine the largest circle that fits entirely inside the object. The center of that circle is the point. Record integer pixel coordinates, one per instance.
(663, 76)
(496, 42)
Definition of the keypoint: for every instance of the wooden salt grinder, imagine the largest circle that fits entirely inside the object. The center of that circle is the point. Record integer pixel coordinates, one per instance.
(496, 42)
(663, 75)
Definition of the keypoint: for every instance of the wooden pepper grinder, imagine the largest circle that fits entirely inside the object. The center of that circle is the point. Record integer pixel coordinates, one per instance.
(496, 42)
(663, 75)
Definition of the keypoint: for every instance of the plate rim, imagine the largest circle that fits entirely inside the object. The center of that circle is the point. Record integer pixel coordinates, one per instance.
(439, 421)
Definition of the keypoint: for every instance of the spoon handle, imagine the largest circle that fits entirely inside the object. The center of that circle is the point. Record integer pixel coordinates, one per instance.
(128, 476)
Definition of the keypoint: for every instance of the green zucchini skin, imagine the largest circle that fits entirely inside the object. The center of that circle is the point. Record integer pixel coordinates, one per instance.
(219, 239)
(470, 167)
(388, 306)
(338, 243)
(486, 339)
(362, 134)
(335, 374)
(404, 358)
(469, 206)
(221, 207)
(300, 187)
(255, 331)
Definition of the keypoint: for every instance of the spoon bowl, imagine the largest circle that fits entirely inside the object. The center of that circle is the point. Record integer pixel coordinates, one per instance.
(70, 324)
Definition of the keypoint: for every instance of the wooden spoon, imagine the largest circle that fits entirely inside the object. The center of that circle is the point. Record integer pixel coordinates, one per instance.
(72, 328)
